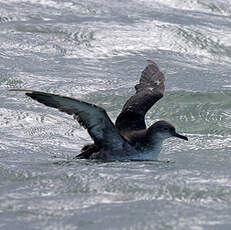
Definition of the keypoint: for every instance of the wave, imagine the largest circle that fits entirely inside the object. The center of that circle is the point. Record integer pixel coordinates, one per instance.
(196, 112)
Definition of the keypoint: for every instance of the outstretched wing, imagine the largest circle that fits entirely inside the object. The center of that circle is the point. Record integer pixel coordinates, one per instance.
(149, 90)
(91, 117)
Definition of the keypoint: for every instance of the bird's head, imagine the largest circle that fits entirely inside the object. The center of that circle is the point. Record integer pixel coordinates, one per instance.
(164, 130)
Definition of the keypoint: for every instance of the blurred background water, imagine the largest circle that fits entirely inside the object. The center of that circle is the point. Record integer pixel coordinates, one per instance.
(95, 51)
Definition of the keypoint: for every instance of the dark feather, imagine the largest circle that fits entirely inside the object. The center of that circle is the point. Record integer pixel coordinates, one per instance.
(149, 90)
(92, 117)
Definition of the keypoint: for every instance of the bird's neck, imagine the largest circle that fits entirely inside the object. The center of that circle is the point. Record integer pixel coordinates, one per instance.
(154, 142)
(144, 140)
(152, 148)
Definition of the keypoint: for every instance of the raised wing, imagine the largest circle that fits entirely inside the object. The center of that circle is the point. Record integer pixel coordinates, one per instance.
(91, 117)
(149, 90)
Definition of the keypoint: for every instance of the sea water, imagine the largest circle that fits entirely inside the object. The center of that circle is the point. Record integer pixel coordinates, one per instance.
(95, 51)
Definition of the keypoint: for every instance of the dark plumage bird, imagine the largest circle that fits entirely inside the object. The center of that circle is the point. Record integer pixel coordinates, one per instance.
(128, 138)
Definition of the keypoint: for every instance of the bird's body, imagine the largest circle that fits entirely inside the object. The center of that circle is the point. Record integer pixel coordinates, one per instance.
(128, 139)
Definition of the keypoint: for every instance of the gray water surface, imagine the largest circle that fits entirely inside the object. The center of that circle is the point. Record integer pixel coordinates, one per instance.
(95, 51)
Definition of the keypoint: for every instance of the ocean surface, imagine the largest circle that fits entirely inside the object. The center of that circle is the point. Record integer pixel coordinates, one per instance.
(95, 51)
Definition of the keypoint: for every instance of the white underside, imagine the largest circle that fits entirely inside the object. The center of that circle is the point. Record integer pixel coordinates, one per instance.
(146, 154)
(149, 154)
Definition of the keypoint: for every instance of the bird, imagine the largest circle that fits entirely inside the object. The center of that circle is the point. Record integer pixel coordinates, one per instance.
(128, 138)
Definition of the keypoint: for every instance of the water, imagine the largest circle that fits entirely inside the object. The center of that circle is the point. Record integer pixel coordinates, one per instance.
(95, 51)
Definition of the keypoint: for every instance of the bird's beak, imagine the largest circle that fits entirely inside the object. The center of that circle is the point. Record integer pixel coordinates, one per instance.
(181, 136)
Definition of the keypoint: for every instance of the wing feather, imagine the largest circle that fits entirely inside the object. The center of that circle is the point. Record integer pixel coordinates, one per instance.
(149, 90)
(92, 117)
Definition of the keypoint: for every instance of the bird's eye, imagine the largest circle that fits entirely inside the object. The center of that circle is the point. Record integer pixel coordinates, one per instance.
(165, 128)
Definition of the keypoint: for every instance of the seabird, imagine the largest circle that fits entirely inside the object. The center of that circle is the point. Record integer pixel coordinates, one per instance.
(128, 138)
